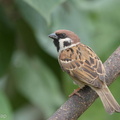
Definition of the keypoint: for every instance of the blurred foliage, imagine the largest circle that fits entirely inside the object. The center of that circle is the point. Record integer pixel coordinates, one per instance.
(32, 85)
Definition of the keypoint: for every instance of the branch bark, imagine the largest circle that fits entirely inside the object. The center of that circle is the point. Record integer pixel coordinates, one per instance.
(75, 106)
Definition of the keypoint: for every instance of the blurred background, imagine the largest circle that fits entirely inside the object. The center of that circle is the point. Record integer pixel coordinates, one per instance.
(32, 84)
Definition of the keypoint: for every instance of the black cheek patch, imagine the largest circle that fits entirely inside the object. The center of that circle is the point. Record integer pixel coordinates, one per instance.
(66, 43)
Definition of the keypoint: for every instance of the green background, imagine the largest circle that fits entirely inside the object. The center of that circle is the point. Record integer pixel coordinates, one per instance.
(32, 84)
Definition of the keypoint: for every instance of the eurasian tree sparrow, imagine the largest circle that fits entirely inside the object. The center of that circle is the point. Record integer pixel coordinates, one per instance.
(83, 66)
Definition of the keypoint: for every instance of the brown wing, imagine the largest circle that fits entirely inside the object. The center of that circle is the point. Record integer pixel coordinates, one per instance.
(83, 65)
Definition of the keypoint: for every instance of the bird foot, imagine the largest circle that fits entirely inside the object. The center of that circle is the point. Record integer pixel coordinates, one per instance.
(75, 92)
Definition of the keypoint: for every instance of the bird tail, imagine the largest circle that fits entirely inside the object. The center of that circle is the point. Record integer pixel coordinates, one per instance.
(109, 102)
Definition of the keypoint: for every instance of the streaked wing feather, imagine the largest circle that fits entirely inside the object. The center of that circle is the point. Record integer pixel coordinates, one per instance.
(83, 65)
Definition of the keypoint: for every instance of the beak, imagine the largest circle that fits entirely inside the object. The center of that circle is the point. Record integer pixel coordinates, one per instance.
(53, 36)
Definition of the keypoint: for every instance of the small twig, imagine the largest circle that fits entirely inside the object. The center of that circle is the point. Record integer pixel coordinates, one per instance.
(75, 106)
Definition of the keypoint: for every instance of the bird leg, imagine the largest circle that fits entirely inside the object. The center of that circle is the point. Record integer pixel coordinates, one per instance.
(75, 92)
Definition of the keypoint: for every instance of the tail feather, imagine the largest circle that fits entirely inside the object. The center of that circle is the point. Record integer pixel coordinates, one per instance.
(109, 102)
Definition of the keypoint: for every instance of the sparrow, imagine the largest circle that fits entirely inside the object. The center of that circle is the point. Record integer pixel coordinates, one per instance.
(83, 66)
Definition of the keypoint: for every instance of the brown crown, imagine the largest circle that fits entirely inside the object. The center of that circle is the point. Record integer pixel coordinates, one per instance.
(69, 34)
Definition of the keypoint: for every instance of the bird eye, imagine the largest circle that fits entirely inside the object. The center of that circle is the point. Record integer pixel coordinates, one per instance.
(61, 35)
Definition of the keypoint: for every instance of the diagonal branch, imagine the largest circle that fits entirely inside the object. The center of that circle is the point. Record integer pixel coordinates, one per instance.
(75, 106)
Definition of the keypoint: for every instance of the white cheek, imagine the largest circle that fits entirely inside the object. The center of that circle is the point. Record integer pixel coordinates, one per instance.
(61, 42)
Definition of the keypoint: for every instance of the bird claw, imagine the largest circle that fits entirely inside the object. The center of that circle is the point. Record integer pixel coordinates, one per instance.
(75, 92)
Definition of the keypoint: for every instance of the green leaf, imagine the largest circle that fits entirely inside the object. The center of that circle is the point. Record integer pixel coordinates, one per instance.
(107, 27)
(5, 108)
(44, 7)
(37, 83)
(68, 16)
(39, 27)
(92, 5)
(6, 42)
(28, 112)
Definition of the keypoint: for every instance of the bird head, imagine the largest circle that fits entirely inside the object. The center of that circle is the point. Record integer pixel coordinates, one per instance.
(63, 39)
